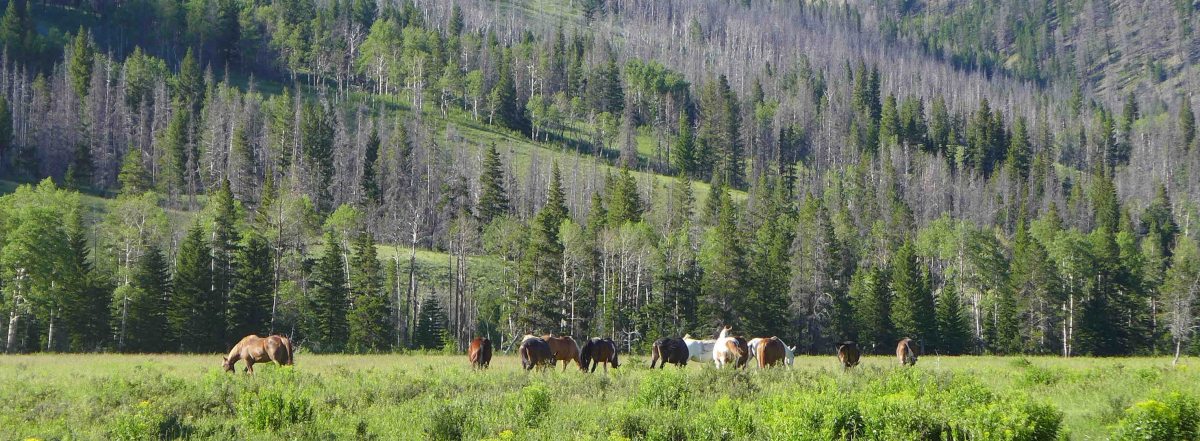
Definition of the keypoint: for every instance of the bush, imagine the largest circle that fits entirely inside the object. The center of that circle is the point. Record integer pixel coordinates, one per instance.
(664, 388)
(535, 402)
(271, 409)
(1175, 418)
(447, 422)
(147, 422)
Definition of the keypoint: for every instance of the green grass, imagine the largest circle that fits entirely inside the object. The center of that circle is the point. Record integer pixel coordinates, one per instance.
(406, 396)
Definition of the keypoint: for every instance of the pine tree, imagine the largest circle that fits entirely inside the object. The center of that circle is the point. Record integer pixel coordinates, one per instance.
(889, 122)
(625, 203)
(724, 261)
(370, 186)
(317, 136)
(1019, 152)
(430, 331)
(190, 84)
(86, 312)
(224, 246)
(1008, 335)
(685, 148)
(147, 327)
(250, 295)
(493, 202)
(873, 310)
(954, 334)
(913, 312)
(1187, 123)
(82, 59)
(14, 29)
(330, 328)
(175, 158)
(133, 178)
(509, 112)
(370, 324)
(768, 304)
(195, 313)
(817, 289)
(79, 171)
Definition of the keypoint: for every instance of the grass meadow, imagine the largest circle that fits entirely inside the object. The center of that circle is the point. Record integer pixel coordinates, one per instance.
(412, 397)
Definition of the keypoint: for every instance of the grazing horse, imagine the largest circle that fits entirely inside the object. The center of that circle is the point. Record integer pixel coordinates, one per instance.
(744, 347)
(597, 351)
(771, 351)
(669, 350)
(254, 349)
(480, 353)
(847, 353)
(906, 353)
(535, 352)
(789, 357)
(727, 350)
(699, 350)
(565, 349)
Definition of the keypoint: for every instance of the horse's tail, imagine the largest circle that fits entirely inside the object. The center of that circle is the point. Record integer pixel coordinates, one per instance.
(523, 355)
(287, 343)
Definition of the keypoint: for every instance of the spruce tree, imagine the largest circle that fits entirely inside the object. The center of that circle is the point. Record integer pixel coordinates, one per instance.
(504, 98)
(493, 202)
(189, 85)
(370, 186)
(954, 334)
(872, 308)
(724, 279)
(768, 304)
(685, 148)
(913, 312)
(195, 313)
(329, 326)
(1019, 152)
(224, 245)
(625, 202)
(82, 60)
(889, 123)
(147, 327)
(251, 294)
(86, 312)
(541, 265)
(133, 178)
(1187, 123)
(370, 324)
(430, 329)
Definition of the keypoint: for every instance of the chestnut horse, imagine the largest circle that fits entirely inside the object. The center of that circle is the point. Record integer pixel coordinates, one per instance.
(771, 351)
(597, 351)
(847, 353)
(744, 347)
(480, 353)
(254, 349)
(565, 349)
(727, 350)
(906, 353)
(789, 356)
(535, 352)
(669, 350)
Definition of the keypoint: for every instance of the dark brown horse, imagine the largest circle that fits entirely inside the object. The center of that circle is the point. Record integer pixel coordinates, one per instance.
(535, 352)
(254, 349)
(905, 353)
(847, 353)
(565, 349)
(770, 352)
(744, 348)
(669, 350)
(597, 351)
(480, 353)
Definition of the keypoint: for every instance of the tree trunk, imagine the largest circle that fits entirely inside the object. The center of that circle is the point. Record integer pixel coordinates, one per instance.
(50, 333)
(13, 320)
(1178, 343)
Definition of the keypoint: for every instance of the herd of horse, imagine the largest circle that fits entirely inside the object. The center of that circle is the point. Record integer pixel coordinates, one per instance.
(546, 351)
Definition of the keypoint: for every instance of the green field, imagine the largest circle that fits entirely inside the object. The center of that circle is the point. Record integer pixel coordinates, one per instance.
(439, 397)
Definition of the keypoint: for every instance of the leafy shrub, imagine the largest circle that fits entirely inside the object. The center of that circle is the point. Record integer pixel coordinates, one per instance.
(447, 422)
(535, 402)
(1037, 375)
(664, 388)
(147, 422)
(272, 409)
(1175, 418)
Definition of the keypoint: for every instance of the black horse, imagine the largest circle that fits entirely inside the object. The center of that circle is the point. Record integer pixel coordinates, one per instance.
(535, 352)
(597, 351)
(669, 350)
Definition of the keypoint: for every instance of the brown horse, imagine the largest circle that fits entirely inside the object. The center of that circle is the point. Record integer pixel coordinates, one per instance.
(535, 352)
(744, 348)
(597, 351)
(565, 349)
(669, 350)
(847, 353)
(254, 349)
(770, 352)
(906, 353)
(480, 353)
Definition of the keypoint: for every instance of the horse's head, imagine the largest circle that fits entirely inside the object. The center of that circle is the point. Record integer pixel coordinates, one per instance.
(225, 364)
(616, 363)
(790, 356)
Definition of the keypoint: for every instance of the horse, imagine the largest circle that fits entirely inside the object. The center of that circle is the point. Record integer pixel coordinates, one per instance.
(771, 351)
(535, 352)
(565, 349)
(597, 351)
(744, 347)
(789, 357)
(254, 349)
(727, 350)
(699, 350)
(906, 353)
(847, 353)
(669, 350)
(480, 353)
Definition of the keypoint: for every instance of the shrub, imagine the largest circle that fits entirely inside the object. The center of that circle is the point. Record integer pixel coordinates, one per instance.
(147, 422)
(1175, 418)
(272, 409)
(535, 402)
(447, 422)
(665, 388)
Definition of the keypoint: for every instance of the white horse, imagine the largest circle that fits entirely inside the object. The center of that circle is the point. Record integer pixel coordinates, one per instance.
(726, 349)
(789, 351)
(699, 350)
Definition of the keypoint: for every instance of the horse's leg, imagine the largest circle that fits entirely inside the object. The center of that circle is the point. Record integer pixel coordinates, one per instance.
(250, 365)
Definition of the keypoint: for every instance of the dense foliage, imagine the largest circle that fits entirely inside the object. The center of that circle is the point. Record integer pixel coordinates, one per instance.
(982, 178)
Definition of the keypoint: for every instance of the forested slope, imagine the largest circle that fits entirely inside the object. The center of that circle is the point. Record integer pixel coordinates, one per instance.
(1006, 177)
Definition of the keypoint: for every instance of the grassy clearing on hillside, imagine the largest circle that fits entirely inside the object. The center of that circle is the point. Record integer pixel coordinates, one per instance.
(440, 397)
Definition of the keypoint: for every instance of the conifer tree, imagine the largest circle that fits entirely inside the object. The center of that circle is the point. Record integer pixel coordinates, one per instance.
(541, 265)
(685, 148)
(133, 178)
(913, 312)
(370, 324)
(1187, 123)
(430, 330)
(1019, 152)
(196, 313)
(82, 60)
(250, 295)
(625, 203)
(147, 328)
(509, 112)
(872, 308)
(86, 312)
(224, 246)
(954, 334)
(329, 328)
(723, 258)
(370, 185)
(190, 84)
(493, 202)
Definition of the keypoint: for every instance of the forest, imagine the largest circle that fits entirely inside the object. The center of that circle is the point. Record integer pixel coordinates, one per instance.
(1005, 177)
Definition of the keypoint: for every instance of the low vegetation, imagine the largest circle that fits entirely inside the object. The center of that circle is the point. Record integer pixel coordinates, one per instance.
(440, 397)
